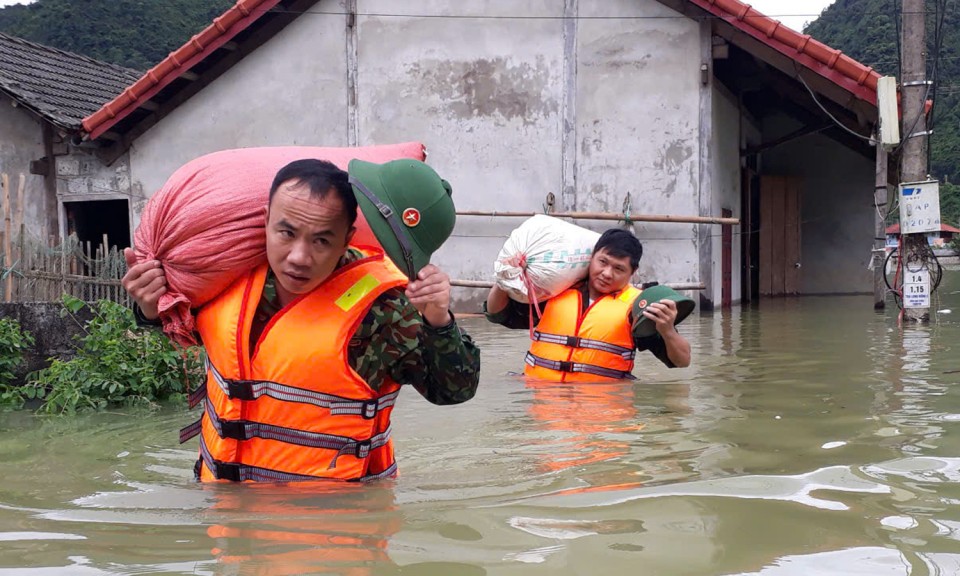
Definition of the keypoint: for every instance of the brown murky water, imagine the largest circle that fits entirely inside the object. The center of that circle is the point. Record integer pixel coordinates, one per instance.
(812, 436)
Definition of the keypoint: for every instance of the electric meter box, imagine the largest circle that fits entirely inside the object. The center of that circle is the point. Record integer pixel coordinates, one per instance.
(920, 207)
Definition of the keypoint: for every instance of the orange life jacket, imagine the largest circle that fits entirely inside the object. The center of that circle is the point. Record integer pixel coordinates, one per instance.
(594, 346)
(293, 409)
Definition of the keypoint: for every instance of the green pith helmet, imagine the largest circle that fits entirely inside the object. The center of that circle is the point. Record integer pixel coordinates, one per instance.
(643, 326)
(408, 206)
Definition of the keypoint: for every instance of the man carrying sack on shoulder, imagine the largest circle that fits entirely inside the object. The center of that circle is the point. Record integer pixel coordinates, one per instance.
(307, 353)
(592, 331)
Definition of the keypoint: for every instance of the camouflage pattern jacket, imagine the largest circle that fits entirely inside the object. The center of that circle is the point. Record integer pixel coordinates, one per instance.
(443, 364)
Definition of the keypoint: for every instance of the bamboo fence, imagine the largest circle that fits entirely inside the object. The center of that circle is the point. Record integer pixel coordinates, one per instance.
(35, 269)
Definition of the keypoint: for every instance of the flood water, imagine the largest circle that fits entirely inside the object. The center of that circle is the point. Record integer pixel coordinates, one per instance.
(811, 436)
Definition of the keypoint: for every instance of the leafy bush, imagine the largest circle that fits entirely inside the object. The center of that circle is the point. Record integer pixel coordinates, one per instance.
(117, 363)
(13, 342)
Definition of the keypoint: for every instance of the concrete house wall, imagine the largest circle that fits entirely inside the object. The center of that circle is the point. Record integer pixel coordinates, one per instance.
(510, 110)
(21, 143)
(726, 140)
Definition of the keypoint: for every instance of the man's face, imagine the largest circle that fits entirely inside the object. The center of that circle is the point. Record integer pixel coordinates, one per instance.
(608, 273)
(306, 237)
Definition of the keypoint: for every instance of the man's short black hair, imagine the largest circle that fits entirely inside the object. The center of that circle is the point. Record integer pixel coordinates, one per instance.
(620, 243)
(320, 177)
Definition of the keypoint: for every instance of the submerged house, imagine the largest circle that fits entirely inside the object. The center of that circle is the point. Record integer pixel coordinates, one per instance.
(678, 107)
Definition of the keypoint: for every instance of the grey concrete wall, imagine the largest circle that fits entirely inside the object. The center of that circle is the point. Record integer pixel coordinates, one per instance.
(501, 104)
(637, 126)
(727, 140)
(836, 209)
(485, 96)
(290, 91)
(21, 141)
(53, 335)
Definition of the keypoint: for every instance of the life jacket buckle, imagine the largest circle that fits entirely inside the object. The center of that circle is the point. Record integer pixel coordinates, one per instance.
(370, 409)
(566, 367)
(363, 449)
(573, 341)
(239, 390)
(226, 471)
(233, 429)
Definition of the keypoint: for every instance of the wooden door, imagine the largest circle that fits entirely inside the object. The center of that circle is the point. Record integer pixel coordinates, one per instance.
(779, 235)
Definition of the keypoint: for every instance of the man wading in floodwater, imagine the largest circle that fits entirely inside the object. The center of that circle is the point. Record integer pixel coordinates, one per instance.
(590, 332)
(308, 352)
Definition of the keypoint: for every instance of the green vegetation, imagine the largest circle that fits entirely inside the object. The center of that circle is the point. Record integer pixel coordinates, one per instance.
(116, 364)
(132, 33)
(14, 341)
(867, 31)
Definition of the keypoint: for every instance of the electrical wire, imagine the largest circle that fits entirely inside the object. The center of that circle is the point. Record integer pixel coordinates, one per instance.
(799, 76)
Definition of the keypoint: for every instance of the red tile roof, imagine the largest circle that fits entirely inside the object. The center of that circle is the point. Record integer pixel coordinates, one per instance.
(895, 228)
(832, 64)
(223, 28)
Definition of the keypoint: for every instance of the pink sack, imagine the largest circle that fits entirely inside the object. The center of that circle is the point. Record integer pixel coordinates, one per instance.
(206, 225)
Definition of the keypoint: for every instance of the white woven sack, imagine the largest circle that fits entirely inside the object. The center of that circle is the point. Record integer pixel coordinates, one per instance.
(545, 253)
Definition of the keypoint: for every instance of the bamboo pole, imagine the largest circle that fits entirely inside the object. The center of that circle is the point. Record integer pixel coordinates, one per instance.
(610, 216)
(18, 226)
(105, 265)
(50, 263)
(486, 284)
(63, 269)
(89, 270)
(7, 229)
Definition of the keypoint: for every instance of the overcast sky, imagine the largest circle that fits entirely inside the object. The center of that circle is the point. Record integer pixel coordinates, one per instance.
(793, 13)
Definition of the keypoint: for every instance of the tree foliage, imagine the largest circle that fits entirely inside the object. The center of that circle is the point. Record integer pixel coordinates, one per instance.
(867, 30)
(132, 33)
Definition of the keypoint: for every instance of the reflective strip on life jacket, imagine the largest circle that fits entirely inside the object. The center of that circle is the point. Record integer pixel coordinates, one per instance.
(559, 366)
(338, 405)
(243, 472)
(245, 430)
(577, 342)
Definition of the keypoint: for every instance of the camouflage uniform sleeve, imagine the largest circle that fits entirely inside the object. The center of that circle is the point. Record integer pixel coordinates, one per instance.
(443, 364)
(515, 315)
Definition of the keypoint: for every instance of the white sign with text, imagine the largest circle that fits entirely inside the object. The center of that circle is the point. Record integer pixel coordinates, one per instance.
(916, 289)
(920, 207)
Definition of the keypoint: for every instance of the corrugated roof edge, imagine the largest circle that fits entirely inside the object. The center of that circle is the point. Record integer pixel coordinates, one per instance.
(236, 19)
(857, 78)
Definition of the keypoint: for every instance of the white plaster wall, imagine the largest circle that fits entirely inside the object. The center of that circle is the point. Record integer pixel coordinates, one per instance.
(484, 95)
(638, 86)
(726, 188)
(289, 91)
(836, 216)
(21, 141)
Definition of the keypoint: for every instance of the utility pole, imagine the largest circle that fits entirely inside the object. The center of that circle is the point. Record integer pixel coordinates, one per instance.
(913, 78)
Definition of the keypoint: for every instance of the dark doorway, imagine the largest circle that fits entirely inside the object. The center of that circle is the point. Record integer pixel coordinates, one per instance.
(726, 262)
(91, 220)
